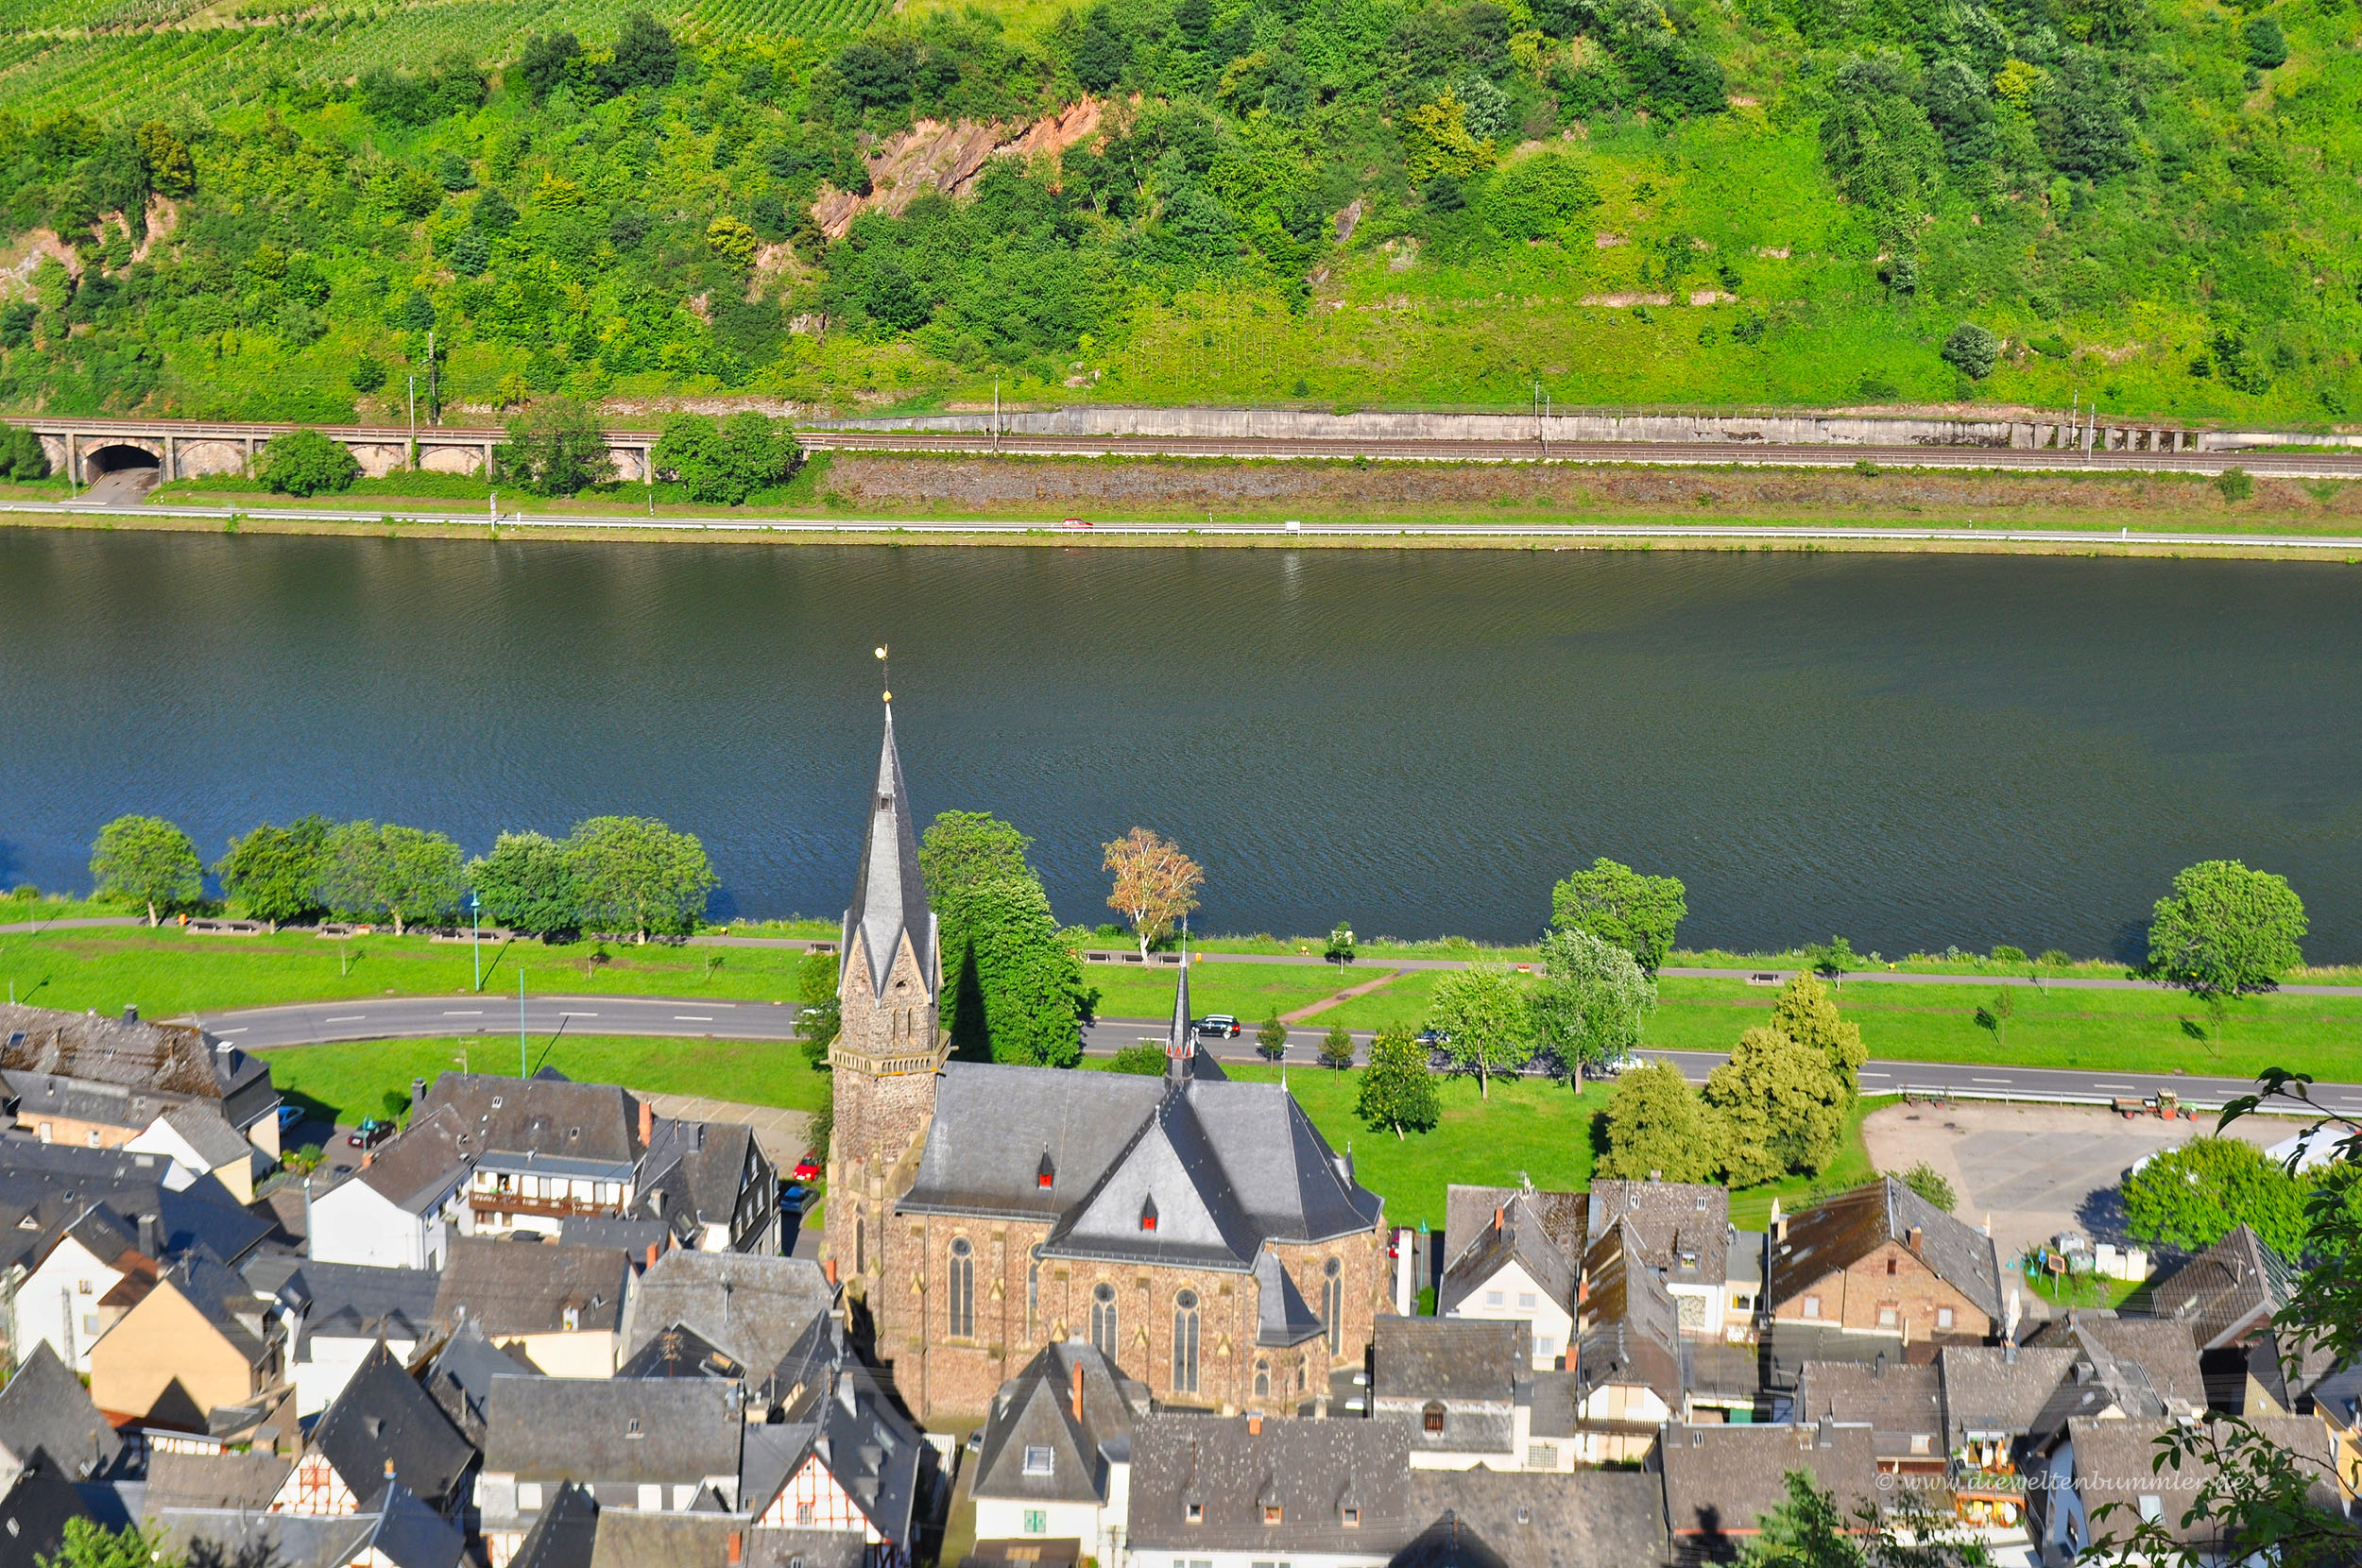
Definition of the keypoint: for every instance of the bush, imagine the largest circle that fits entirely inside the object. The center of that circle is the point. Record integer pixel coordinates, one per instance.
(20, 455)
(1929, 1182)
(2234, 484)
(304, 463)
(1147, 1058)
(1971, 350)
(2193, 1196)
(368, 373)
(2266, 45)
(728, 460)
(555, 448)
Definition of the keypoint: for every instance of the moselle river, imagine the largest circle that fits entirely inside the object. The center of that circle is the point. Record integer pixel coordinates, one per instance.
(1915, 752)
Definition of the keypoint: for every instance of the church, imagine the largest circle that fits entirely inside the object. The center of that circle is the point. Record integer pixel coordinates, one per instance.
(1199, 1231)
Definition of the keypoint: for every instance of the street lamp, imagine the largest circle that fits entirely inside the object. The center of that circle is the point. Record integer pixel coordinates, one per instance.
(475, 914)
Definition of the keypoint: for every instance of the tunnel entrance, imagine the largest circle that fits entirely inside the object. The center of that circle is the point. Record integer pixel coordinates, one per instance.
(120, 473)
(117, 458)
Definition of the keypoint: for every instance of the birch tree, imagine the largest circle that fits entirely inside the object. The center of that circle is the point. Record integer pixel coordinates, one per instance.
(1155, 884)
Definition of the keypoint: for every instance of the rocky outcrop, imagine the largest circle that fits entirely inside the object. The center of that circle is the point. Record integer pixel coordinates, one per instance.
(932, 156)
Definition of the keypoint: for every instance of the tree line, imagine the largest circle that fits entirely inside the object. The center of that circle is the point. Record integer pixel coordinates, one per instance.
(633, 875)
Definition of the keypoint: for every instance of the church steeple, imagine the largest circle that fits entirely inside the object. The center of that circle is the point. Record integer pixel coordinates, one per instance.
(1180, 1039)
(889, 898)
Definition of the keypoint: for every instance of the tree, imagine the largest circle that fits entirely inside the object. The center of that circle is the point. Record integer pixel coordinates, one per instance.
(370, 872)
(820, 1012)
(1486, 1021)
(21, 456)
(2266, 45)
(1337, 1048)
(1932, 1184)
(2194, 1196)
(647, 55)
(1339, 947)
(543, 64)
(965, 849)
(1831, 959)
(1589, 1001)
(1807, 1014)
(1971, 350)
(2225, 931)
(727, 461)
(87, 1543)
(146, 860)
(1270, 1040)
(170, 170)
(555, 448)
(275, 872)
(1618, 904)
(1013, 986)
(1145, 1058)
(304, 463)
(1657, 1127)
(1782, 1105)
(637, 875)
(1397, 1088)
(1155, 884)
(1993, 1018)
(527, 883)
(352, 871)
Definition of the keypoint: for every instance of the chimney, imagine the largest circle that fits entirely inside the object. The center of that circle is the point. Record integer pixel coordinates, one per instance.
(647, 1123)
(151, 1241)
(130, 1013)
(418, 1092)
(1911, 1239)
(830, 1268)
(1499, 1215)
(738, 1542)
(1254, 1427)
(651, 1254)
(1078, 1390)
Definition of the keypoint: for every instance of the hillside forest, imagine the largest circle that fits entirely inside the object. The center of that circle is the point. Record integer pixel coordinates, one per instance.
(258, 212)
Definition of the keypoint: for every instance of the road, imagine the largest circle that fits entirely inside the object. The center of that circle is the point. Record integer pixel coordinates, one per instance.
(390, 1017)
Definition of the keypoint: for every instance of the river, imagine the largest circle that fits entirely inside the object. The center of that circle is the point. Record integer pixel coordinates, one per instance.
(1915, 752)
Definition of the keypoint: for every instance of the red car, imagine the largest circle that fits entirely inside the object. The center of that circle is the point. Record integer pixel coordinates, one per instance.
(1074, 522)
(807, 1169)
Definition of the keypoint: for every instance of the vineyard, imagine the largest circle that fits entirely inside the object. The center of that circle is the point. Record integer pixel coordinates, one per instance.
(135, 57)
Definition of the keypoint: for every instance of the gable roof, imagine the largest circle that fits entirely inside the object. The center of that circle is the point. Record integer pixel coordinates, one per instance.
(1458, 1360)
(209, 1135)
(680, 1351)
(245, 1483)
(221, 1298)
(702, 1168)
(518, 1288)
(391, 1527)
(1990, 1393)
(459, 1373)
(419, 1164)
(1311, 1471)
(1719, 1481)
(383, 1426)
(1282, 1316)
(1564, 1215)
(1631, 1329)
(352, 1300)
(165, 1059)
(1898, 1403)
(547, 1116)
(612, 1430)
(58, 1182)
(752, 1308)
(889, 896)
(1591, 1519)
(2116, 1460)
(1515, 1231)
(46, 1410)
(1842, 1231)
(1035, 1410)
(1670, 1221)
(994, 1125)
(565, 1535)
(2226, 1291)
(34, 1514)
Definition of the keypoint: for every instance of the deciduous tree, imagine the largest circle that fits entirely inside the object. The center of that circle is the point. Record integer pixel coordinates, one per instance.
(1486, 1020)
(371, 871)
(1155, 884)
(1013, 986)
(275, 872)
(1397, 1087)
(1932, 1184)
(2225, 931)
(1615, 903)
(304, 463)
(1589, 1001)
(637, 875)
(964, 849)
(1807, 1014)
(1337, 1048)
(1145, 1058)
(820, 1012)
(1782, 1106)
(728, 460)
(1270, 1040)
(148, 862)
(2194, 1196)
(1657, 1127)
(528, 884)
(555, 448)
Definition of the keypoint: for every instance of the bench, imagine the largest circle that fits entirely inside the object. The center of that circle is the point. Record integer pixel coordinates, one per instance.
(225, 927)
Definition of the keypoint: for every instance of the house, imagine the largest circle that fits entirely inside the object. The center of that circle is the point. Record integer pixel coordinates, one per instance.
(1721, 1480)
(2337, 1405)
(1994, 1398)
(72, 1077)
(1631, 1363)
(34, 1513)
(458, 1375)
(55, 1182)
(1882, 1260)
(566, 1535)
(653, 1447)
(2228, 1295)
(2104, 1460)
(390, 1528)
(382, 1428)
(1481, 1519)
(562, 1307)
(1683, 1230)
(1200, 1232)
(751, 1309)
(336, 1313)
(1517, 1267)
(712, 1181)
(1236, 1491)
(1465, 1393)
(194, 1135)
(1900, 1404)
(403, 1207)
(2123, 1367)
(1055, 1459)
(197, 1339)
(58, 1304)
(842, 1475)
(44, 1411)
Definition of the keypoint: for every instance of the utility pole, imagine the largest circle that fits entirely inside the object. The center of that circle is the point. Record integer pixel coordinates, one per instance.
(475, 913)
(521, 1022)
(996, 413)
(433, 387)
(414, 421)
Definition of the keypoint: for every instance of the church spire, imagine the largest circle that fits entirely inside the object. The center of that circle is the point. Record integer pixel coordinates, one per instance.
(889, 898)
(1180, 1041)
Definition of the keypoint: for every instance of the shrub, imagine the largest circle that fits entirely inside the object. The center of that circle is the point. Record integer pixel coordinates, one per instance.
(21, 454)
(2234, 484)
(555, 448)
(728, 460)
(1929, 1182)
(1146, 1058)
(2266, 45)
(368, 373)
(1971, 350)
(304, 463)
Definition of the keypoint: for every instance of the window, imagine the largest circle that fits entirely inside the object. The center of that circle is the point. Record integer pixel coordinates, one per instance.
(81, 1287)
(1812, 1306)
(1541, 1456)
(1033, 1291)
(1193, 1512)
(1525, 1301)
(1920, 1441)
(1038, 1460)
(1104, 1319)
(1262, 1379)
(1889, 1316)
(803, 1513)
(1546, 1346)
(1036, 1521)
(1271, 1513)
(528, 1494)
(1148, 1214)
(1890, 1267)
(1333, 1303)
(1944, 1316)
(1492, 1298)
(1432, 1419)
(1185, 1342)
(1352, 1518)
(963, 1291)
(651, 1497)
(2152, 1507)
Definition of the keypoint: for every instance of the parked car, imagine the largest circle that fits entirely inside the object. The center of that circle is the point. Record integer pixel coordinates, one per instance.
(1434, 1038)
(807, 1169)
(1076, 523)
(1217, 1026)
(289, 1116)
(795, 1198)
(371, 1132)
(1617, 1066)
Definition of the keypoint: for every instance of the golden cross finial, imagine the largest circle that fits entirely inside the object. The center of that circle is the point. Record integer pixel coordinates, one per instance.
(886, 670)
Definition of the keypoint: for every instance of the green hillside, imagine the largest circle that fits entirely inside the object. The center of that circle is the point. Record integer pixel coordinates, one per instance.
(261, 208)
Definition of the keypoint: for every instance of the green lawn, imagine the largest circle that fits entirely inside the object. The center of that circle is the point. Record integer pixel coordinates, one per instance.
(1253, 991)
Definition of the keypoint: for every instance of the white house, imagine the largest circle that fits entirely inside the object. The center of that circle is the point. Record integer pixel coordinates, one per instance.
(1516, 1267)
(335, 1314)
(196, 1137)
(402, 1208)
(1055, 1459)
(59, 1302)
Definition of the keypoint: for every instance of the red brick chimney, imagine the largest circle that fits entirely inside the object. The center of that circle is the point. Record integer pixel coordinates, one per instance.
(647, 1123)
(1078, 1390)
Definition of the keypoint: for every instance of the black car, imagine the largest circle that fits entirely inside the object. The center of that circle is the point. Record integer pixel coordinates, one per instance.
(371, 1132)
(1217, 1026)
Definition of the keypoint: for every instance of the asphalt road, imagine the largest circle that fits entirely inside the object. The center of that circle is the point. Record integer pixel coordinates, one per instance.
(392, 1017)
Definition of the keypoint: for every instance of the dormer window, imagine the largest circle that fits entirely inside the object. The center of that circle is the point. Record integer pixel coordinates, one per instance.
(1046, 1173)
(1193, 1513)
(1038, 1460)
(885, 803)
(1351, 1518)
(1271, 1513)
(1432, 1419)
(632, 1429)
(1148, 1214)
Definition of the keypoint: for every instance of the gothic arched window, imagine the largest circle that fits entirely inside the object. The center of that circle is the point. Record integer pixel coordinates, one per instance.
(1104, 1319)
(1262, 1379)
(1185, 1342)
(1333, 1303)
(962, 1324)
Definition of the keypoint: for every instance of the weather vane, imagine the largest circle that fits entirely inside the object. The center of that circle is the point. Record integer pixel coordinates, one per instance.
(886, 670)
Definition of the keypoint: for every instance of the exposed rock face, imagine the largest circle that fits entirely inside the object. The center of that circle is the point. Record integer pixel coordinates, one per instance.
(932, 156)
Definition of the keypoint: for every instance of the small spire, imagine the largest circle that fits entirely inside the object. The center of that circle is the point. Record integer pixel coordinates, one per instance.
(889, 896)
(1180, 1041)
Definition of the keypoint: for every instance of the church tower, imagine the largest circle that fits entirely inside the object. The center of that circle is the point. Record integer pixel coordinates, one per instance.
(891, 1045)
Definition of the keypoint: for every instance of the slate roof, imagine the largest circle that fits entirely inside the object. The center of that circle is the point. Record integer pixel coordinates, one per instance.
(889, 896)
(700, 1168)
(2289, 1386)
(211, 1138)
(392, 1526)
(994, 1124)
(1987, 1395)
(418, 1166)
(1454, 1359)
(235, 1482)
(352, 1301)
(1721, 1480)
(1897, 1403)
(1282, 1316)
(518, 1288)
(1310, 1470)
(44, 1096)
(2146, 1370)
(1631, 1331)
(1591, 1519)
(383, 1423)
(1037, 1409)
(46, 1410)
(33, 1516)
(612, 1430)
(459, 1373)
(875, 1455)
(678, 1352)
(1469, 1209)
(754, 1309)
(1670, 1221)
(547, 1115)
(1843, 1230)
(2226, 1291)
(58, 1182)
(1521, 1235)
(565, 1536)
(222, 1297)
(2117, 1461)
(179, 1060)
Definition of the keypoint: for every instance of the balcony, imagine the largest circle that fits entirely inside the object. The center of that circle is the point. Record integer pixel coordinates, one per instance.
(551, 1208)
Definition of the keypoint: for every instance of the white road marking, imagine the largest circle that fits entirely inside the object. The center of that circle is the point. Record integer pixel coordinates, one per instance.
(348, 1018)
(692, 1019)
(2115, 1085)
(1875, 1075)
(477, 1013)
(1993, 1081)
(577, 1014)
(239, 1030)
